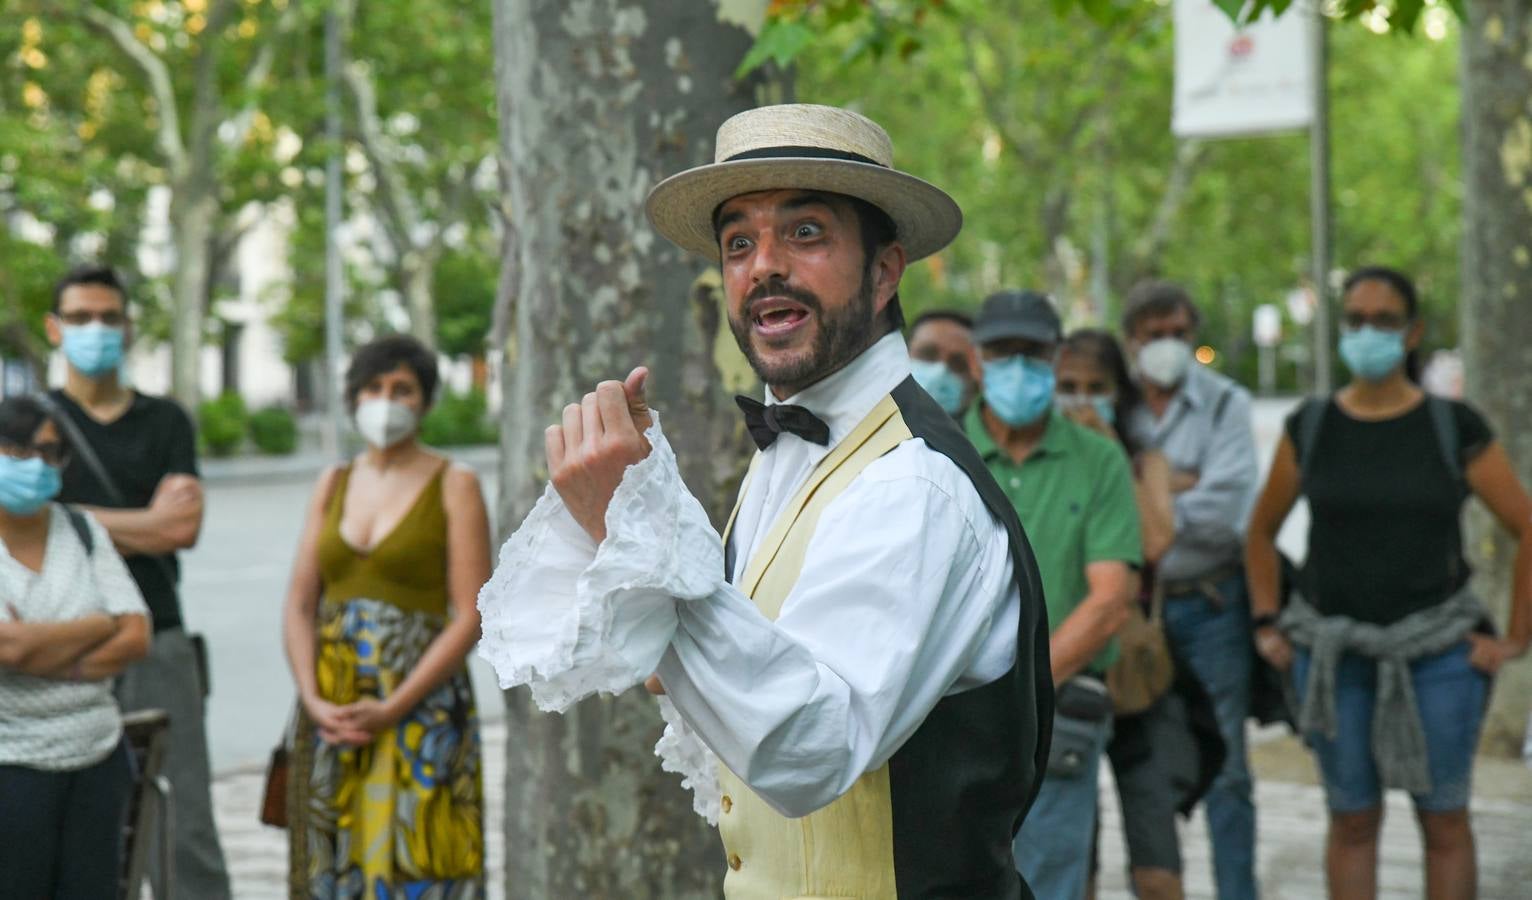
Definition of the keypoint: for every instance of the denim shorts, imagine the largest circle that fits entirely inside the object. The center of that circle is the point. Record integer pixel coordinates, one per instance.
(1451, 695)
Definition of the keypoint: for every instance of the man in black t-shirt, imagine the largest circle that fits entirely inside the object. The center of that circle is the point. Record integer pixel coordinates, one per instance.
(152, 508)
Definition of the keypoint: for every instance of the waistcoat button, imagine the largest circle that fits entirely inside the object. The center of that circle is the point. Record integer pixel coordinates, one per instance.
(735, 862)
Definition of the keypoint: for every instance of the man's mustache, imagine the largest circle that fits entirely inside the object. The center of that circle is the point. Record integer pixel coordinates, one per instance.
(776, 287)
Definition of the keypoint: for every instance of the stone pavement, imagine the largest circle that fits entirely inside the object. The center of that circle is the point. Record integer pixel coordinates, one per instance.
(1290, 806)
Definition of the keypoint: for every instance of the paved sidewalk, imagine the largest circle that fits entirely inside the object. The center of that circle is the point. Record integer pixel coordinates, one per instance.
(306, 465)
(1290, 806)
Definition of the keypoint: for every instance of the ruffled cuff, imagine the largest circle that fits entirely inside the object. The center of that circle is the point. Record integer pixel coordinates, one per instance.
(681, 751)
(571, 619)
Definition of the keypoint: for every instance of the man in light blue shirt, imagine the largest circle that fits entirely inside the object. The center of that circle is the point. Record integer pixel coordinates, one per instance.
(1200, 420)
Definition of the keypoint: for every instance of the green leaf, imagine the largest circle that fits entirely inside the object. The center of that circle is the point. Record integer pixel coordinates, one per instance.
(1233, 8)
(780, 41)
(1406, 14)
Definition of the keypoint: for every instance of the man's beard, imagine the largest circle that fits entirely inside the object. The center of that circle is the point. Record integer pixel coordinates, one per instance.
(842, 335)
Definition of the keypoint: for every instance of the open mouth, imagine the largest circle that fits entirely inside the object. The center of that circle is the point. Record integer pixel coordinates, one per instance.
(774, 317)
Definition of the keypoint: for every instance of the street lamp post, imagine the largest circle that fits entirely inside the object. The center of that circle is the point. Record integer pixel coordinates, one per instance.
(334, 282)
(1319, 197)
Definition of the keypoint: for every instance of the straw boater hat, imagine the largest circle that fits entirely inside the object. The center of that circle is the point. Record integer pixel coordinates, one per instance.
(820, 148)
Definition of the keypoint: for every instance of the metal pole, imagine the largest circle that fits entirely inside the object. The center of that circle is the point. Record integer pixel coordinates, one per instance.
(1319, 196)
(334, 282)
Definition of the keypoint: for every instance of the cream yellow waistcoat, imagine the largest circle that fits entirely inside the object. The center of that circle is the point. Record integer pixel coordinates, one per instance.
(845, 849)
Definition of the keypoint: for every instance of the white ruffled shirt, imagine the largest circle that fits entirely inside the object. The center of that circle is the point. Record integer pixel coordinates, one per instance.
(906, 597)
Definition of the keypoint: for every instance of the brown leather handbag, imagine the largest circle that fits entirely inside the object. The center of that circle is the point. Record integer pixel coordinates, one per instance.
(274, 801)
(1144, 669)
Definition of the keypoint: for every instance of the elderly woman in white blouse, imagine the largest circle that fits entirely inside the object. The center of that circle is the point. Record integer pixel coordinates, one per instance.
(70, 619)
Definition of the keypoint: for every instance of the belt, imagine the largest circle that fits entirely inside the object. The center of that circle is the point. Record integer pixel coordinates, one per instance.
(1206, 584)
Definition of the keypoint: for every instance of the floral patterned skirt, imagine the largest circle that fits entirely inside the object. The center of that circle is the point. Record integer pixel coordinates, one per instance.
(400, 818)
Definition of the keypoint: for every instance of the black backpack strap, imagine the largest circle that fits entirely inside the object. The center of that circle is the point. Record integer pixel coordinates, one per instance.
(1311, 415)
(81, 528)
(1445, 426)
(80, 446)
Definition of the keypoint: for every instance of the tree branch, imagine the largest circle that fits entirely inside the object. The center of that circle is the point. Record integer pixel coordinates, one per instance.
(207, 95)
(260, 70)
(992, 107)
(1152, 244)
(455, 193)
(401, 216)
(155, 71)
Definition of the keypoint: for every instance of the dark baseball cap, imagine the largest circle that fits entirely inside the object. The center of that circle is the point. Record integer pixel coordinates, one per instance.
(1017, 314)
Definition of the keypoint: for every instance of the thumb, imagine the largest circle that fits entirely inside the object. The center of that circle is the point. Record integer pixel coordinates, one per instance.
(633, 386)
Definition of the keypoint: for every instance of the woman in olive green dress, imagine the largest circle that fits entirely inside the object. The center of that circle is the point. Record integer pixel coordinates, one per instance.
(385, 790)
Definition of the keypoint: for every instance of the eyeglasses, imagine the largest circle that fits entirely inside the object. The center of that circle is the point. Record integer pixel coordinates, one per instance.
(1385, 321)
(54, 453)
(111, 318)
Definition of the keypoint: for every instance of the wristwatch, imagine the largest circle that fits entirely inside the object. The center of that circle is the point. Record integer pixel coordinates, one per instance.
(1262, 620)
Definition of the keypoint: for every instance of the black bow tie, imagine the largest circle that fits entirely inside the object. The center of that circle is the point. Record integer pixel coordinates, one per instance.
(767, 422)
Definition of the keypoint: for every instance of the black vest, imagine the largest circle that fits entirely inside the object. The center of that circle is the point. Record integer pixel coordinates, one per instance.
(962, 783)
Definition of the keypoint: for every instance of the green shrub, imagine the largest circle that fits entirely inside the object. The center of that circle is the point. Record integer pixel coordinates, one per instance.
(458, 420)
(223, 422)
(274, 430)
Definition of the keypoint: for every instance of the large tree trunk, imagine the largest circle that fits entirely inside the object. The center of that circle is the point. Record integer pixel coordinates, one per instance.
(193, 214)
(1496, 305)
(598, 101)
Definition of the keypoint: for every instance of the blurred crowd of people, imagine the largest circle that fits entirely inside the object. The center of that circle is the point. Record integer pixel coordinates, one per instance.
(1134, 470)
(98, 490)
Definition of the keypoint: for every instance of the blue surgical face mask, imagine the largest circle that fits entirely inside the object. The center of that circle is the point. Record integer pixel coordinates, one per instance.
(943, 384)
(26, 485)
(1372, 353)
(1105, 405)
(1017, 389)
(94, 350)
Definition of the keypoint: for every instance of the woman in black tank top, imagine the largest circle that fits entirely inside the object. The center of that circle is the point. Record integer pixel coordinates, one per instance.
(1386, 469)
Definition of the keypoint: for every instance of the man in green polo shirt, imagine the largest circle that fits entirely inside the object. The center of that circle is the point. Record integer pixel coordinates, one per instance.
(1073, 492)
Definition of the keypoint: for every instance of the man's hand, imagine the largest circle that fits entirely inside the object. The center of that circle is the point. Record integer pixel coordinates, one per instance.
(1183, 480)
(601, 436)
(176, 492)
(1488, 654)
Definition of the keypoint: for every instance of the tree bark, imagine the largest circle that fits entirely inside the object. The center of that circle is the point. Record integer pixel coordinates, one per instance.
(417, 269)
(598, 101)
(193, 212)
(1496, 307)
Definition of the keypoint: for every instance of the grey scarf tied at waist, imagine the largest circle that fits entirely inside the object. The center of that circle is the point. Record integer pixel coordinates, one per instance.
(1398, 737)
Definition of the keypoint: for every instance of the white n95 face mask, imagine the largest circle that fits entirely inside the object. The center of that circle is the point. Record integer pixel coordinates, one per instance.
(384, 423)
(1165, 362)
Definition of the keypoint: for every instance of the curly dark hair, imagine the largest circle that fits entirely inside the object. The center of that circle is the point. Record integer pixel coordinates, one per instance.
(385, 354)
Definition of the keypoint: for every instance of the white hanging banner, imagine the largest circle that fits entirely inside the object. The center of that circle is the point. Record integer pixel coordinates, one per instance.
(1235, 82)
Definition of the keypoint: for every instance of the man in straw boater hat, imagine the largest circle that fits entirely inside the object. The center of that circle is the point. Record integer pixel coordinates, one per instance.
(857, 671)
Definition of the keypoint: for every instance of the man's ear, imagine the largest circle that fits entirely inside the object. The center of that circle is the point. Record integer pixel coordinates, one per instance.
(888, 268)
(1415, 335)
(55, 329)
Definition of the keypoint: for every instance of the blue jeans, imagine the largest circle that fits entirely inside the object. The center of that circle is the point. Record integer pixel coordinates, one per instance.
(1212, 636)
(1053, 848)
(1450, 695)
